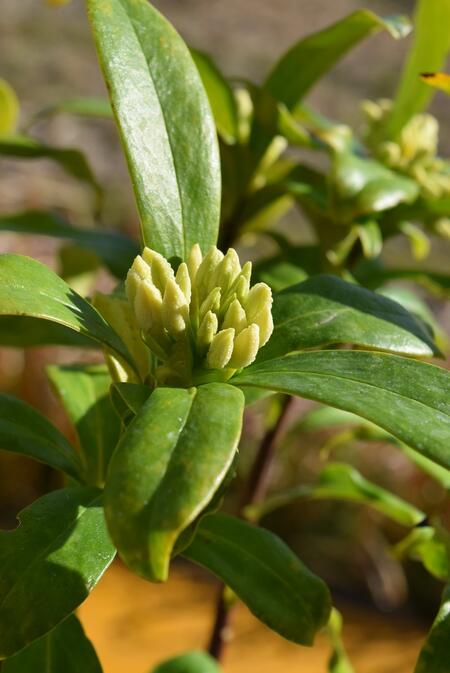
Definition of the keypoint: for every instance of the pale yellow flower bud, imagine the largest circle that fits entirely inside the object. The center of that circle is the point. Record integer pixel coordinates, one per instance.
(246, 346)
(194, 261)
(207, 330)
(160, 268)
(221, 349)
(258, 307)
(204, 279)
(228, 270)
(235, 317)
(183, 280)
(264, 321)
(211, 303)
(147, 306)
(174, 310)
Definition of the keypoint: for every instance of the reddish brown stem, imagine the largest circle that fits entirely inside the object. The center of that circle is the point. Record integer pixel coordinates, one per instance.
(255, 491)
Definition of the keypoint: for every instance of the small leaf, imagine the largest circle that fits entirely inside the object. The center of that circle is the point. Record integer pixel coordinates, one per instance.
(191, 662)
(71, 160)
(265, 574)
(50, 563)
(326, 310)
(409, 399)
(114, 249)
(166, 469)
(339, 661)
(427, 54)
(343, 482)
(434, 655)
(128, 398)
(28, 288)
(9, 109)
(429, 545)
(84, 392)
(165, 122)
(66, 648)
(23, 430)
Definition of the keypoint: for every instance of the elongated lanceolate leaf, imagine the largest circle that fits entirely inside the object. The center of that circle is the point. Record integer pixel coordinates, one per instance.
(311, 57)
(166, 469)
(409, 399)
(434, 657)
(65, 649)
(50, 563)
(166, 124)
(84, 392)
(265, 574)
(114, 249)
(326, 310)
(343, 482)
(71, 160)
(23, 430)
(28, 288)
(191, 662)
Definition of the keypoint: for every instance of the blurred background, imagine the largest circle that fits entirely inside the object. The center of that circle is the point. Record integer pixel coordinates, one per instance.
(47, 55)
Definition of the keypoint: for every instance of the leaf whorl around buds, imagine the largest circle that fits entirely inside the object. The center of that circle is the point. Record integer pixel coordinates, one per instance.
(205, 316)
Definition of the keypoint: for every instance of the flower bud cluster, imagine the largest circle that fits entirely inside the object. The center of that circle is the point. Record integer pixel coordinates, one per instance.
(414, 152)
(203, 316)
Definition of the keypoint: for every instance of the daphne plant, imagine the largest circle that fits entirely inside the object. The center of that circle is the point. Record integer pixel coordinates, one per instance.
(188, 343)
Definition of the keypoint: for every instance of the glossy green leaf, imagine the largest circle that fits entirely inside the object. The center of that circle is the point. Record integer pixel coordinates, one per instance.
(220, 96)
(339, 661)
(9, 108)
(191, 662)
(429, 545)
(310, 58)
(409, 399)
(50, 563)
(431, 44)
(114, 249)
(128, 398)
(265, 574)
(343, 482)
(84, 392)
(363, 186)
(66, 648)
(167, 467)
(24, 332)
(166, 124)
(327, 310)
(23, 430)
(71, 160)
(373, 274)
(434, 657)
(28, 288)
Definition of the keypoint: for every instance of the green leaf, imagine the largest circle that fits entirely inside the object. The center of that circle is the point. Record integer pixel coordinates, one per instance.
(71, 160)
(265, 574)
(165, 122)
(191, 662)
(50, 563)
(114, 249)
(166, 469)
(128, 398)
(23, 430)
(310, 58)
(427, 54)
(66, 648)
(339, 661)
(220, 95)
(326, 310)
(364, 186)
(434, 655)
(82, 107)
(409, 399)
(429, 545)
(28, 288)
(343, 482)
(24, 332)
(84, 392)
(9, 108)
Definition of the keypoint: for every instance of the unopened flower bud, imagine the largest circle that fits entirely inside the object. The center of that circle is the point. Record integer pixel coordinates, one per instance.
(206, 271)
(183, 280)
(174, 310)
(221, 349)
(235, 317)
(207, 330)
(245, 348)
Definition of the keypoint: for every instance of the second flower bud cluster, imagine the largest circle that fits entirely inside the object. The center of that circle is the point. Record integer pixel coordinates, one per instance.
(206, 312)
